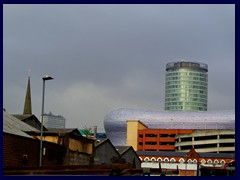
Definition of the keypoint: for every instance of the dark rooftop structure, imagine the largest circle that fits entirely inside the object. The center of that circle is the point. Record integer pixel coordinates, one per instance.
(183, 154)
(12, 125)
(31, 120)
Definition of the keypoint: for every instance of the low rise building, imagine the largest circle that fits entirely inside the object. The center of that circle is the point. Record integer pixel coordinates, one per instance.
(104, 152)
(130, 155)
(187, 163)
(79, 149)
(21, 149)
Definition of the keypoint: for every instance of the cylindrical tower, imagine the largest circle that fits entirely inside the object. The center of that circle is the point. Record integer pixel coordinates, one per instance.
(186, 86)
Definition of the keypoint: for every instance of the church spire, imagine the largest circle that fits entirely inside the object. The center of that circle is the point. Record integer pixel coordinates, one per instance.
(28, 104)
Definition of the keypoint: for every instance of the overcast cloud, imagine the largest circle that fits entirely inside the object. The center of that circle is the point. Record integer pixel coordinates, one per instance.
(105, 57)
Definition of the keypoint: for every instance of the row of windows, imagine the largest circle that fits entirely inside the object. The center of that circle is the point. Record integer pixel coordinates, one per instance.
(205, 137)
(179, 108)
(186, 74)
(211, 147)
(180, 91)
(186, 95)
(186, 70)
(186, 66)
(155, 143)
(190, 161)
(186, 87)
(185, 104)
(155, 135)
(187, 101)
(187, 82)
(187, 78)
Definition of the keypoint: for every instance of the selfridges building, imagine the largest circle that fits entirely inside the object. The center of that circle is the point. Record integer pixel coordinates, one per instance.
(115, 122)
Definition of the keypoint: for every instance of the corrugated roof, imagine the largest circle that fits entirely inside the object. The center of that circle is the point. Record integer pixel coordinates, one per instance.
(13, 125)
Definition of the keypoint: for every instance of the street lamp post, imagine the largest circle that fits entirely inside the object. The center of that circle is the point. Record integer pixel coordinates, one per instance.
(44, 79)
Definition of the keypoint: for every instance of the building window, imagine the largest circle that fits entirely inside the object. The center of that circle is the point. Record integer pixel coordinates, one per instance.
(172, 160)
(159, 160)
(153, 159)
(166, 160)
(150, 135)
(216, 162)
(203, 161)
(150, 143)
(146, 159)
(181, 161)
(194, 161)
(222, 162)
(209, 161)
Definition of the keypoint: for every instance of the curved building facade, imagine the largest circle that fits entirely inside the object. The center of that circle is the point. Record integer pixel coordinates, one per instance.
(186, 86)
(115, 122)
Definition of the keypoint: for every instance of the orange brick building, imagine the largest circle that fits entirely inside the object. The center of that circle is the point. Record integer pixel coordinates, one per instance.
(143, 139)
(158, 139)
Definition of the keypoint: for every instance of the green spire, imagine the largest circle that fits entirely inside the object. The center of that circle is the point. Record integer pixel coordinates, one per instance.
(28, 104)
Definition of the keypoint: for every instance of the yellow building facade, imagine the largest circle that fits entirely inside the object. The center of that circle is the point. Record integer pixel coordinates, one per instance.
(132, 132)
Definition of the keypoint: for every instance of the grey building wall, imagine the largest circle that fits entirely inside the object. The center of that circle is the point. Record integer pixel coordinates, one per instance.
(129, 156)
(104, 153)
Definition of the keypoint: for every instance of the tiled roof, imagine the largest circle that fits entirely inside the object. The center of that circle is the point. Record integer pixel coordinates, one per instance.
(161, 153)
(183, 154)
(217, 155)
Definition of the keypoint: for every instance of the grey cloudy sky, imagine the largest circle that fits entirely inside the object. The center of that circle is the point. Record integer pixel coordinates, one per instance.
(105, 57)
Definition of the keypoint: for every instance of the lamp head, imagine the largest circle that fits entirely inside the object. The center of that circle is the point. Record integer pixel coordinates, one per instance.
(47, 78)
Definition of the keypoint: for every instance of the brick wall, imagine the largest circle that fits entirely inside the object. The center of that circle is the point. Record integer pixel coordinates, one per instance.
(21, 151)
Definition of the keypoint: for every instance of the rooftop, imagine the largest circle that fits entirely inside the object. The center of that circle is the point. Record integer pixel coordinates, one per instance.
(12, 125)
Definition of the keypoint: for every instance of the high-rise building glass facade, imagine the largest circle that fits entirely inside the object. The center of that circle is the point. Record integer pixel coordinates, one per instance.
(53, 121)
(186, 86)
